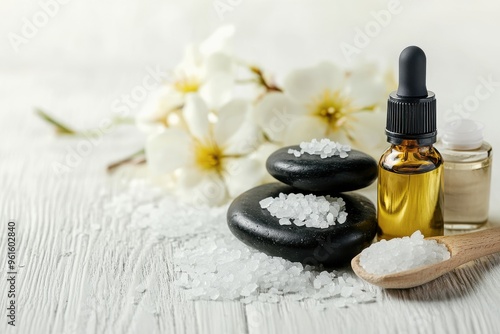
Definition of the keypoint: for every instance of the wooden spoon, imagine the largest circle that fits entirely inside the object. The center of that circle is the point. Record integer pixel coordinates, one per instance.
(463, 248)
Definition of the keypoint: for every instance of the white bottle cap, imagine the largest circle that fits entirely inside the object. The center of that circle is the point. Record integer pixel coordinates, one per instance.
(463, 134)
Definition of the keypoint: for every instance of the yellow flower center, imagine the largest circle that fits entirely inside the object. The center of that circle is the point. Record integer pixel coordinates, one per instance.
(332, 108)
(187, 85)
(209, 157)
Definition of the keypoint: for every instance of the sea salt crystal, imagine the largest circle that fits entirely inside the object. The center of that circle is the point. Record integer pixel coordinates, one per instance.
(306, 210)
(248, 300)
(346, 291)
(259, 277)
(325, 148)
(211, 264)
(284, 221)
(266, 202)
(247, 290)
(400, 254)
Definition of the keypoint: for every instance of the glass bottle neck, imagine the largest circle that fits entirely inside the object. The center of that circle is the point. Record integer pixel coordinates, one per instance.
(412, 146)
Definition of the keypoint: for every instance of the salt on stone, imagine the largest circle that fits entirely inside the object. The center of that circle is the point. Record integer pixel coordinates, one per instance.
(325, 148)
(211, 264)
(400, 254)
(306, 210)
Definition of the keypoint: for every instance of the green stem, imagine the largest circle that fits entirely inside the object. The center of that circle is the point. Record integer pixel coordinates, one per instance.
(60, 128)
(63, 129)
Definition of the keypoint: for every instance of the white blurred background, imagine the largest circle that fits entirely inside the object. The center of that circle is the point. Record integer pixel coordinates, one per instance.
(90, 52)
(459, 37)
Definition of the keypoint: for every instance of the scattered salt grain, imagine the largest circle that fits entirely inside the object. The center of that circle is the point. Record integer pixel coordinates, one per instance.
(306, 210)
(211, 264)
(325, 148)
(400, 254)
(256, 276)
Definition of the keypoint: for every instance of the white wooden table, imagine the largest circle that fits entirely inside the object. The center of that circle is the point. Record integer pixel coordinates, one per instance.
(78, 269)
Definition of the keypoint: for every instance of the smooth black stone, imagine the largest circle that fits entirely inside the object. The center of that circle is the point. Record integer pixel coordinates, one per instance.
(333, 174)
(333, 246)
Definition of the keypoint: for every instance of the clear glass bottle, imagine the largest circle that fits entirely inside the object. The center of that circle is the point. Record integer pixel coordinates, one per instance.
(467, 174)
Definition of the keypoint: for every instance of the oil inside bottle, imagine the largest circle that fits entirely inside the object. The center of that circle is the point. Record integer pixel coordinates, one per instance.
(410, 193)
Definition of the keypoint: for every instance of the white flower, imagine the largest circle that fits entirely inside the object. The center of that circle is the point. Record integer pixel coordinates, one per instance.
(261, 154)
(325, 102)
(210, 159)
(206, 69)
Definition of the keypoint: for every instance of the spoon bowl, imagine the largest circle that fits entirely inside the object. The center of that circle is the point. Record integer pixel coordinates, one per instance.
(463, 248)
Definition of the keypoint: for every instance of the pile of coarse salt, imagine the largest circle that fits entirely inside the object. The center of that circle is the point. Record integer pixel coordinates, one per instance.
(211, 264)
(325, 148)
(400, 254)
(308, 210)
(220, 267)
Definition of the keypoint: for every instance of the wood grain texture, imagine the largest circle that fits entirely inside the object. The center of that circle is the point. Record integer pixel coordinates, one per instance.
(83, 272)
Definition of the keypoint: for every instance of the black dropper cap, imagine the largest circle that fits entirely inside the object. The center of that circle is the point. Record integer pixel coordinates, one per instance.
(411, 110)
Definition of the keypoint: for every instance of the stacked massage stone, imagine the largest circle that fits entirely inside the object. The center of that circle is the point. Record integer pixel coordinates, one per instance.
(333, 246)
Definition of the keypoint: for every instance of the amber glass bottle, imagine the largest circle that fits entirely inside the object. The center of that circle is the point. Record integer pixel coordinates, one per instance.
(410, 191)
(410, 177)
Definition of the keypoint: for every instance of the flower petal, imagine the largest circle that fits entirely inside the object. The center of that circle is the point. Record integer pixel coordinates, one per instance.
(245, 140)
(155, 110)
(242, 174)
(308, 83)
(366, 87)
(191, 64)
(230, 118)
(235, 131)
(305, 128)
(275, 112)
(216, 63)
(261, 154)
(200, 187)
(217, 90)
(195, 113)
(218, 41)
(367, 131)
(169, 150)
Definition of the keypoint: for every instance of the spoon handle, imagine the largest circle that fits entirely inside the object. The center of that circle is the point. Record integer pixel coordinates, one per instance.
(474, 245)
